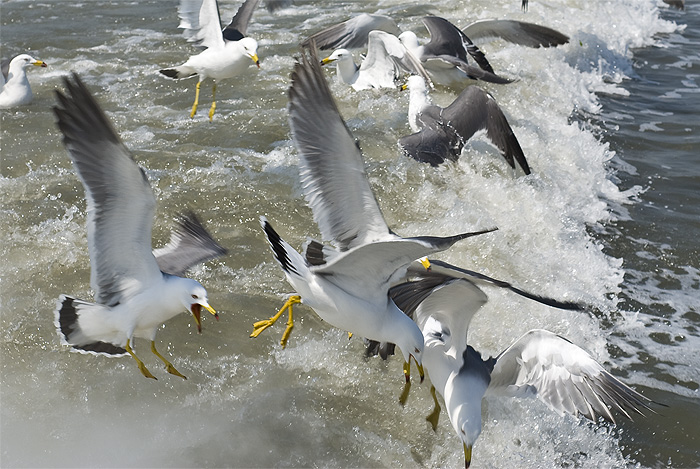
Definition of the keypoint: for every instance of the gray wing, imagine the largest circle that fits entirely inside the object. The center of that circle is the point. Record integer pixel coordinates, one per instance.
(238, 27)
(447, 39)
(353, 33)
(563, 376)
(433, 144)
(274, 5)
(201, 22)
(384, 259)
(516, 32)
(120, 202)
(474, 73)
(474, 110)
(190, 244)
(443, 268)
(331, 165)
(5, 69)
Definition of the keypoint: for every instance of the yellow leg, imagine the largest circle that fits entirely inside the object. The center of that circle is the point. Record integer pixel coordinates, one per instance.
(213, 103)
(142, 367)
(196, 100)
(404, 394)
(434, 416)
(260, 326)
(168, 366)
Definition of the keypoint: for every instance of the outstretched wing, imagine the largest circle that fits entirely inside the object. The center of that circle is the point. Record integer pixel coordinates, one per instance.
(474, 110)
(201, 22)
(238, 28)
(190, 244)
(516, 32)
(563, 376)
(120, 202)
(447, 39)
(331, 165)
(353, 33)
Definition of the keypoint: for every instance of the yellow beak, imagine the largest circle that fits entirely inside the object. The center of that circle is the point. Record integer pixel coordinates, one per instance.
(467, 456)
(40, 63)
(326, 61)
(254, 58)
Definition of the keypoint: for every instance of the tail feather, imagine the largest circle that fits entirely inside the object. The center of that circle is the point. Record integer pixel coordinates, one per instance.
(178, 72)
(289, 259)
(68, 311)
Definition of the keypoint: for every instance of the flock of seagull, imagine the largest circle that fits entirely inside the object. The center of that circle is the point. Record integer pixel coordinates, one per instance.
(363, 278)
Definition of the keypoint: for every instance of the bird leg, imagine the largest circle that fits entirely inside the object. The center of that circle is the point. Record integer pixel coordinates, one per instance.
(168, 366)
(435, 414)
(196, 100)
(213, 103)
(404, 394)
(142, 367)
(260, 326)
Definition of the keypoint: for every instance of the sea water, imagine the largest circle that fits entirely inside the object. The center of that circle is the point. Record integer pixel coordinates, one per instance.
(609, 218)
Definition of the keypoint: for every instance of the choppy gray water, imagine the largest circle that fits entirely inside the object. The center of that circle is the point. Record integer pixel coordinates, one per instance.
(610, 216)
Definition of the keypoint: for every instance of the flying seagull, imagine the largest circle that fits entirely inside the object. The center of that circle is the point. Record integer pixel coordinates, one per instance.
(539, 364)
(353, 33)
(133, 296)
(228, 52)
(346, 284)
(441, 133)
(386, 60)
(14, 87)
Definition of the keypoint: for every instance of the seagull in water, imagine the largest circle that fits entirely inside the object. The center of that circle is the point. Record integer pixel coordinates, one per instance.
(14, 85)
(539, 364)
(441, 133)
(227, 53)
(134, 292)
(347, 284)
(385, 60)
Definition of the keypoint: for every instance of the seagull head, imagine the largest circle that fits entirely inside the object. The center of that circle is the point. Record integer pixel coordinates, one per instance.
(195, 298)
(25, 60)
(338, 54)
(463, 394)
(409, 40)
(250, 48)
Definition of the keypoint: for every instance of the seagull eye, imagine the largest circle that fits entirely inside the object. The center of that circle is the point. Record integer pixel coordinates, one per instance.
(195, 297)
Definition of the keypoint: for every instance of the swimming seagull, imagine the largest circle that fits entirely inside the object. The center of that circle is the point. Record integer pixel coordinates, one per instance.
(14, 87)
(446, 56)
(228, 52)
(386, 59)
(133, 295)
(539, 364)
(441, 133)
(347, 284)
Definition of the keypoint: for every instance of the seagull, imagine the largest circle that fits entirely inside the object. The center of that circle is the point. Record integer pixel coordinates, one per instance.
(14, 87)
(227, 53)
(345, 284)
(440, 133)
(539, 364)
(353, 33)
(386, 59)
(445, 57)
(133, 295)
